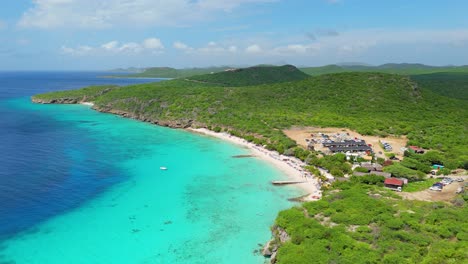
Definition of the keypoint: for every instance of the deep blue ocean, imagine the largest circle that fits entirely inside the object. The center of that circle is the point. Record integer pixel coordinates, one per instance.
(79, 186)
(34, 172)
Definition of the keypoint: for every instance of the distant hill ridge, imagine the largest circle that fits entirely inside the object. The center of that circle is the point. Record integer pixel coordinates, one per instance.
(262, 74)
(395, 68)
(168, 72)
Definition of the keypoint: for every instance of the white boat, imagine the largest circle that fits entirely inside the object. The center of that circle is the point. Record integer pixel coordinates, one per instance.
(162, 168)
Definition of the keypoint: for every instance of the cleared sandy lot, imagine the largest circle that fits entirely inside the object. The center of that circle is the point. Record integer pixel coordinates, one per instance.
(446, 195)
(300, 134)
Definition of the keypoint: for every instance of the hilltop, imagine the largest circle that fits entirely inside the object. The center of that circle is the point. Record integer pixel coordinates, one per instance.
(394, 68)
(263, 74)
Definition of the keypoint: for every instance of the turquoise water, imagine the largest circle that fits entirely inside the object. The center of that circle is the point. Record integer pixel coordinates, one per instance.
(208, 207)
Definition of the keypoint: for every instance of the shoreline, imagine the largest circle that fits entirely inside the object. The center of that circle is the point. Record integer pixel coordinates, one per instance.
(290, 166)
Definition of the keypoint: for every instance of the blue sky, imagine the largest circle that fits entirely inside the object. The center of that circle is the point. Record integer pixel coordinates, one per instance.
(104, 34)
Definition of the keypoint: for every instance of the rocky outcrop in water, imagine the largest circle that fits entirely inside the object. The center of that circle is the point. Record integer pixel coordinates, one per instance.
(56, 101)
(270, 250)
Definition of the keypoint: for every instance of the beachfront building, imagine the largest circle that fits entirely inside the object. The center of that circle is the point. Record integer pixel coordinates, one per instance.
(347, 146)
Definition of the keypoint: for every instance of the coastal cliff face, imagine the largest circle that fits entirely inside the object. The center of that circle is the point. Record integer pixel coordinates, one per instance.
(181, 123)
(57, 101)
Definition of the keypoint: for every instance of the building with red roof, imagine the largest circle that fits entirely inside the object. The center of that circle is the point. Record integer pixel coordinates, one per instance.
(393, 183)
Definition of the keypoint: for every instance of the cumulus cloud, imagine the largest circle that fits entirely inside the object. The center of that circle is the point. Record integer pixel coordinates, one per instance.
(253, 49)
(182, 46)
(78, 51)
(112, 45)
(151, 45)
(210, 48)
(108, 13)
(298, 49)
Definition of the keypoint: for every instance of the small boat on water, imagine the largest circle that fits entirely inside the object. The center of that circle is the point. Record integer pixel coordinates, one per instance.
(162, 168)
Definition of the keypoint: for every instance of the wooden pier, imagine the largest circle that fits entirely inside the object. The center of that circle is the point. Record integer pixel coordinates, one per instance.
(286, 182)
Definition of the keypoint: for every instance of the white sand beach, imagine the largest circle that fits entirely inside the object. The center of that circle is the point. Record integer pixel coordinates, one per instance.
(292, 167)
(87, 103)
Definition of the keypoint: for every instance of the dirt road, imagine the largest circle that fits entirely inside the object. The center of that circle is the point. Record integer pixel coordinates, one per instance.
(446, 195)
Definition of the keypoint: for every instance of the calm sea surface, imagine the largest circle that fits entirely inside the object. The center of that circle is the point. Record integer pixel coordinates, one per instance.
(78, 186)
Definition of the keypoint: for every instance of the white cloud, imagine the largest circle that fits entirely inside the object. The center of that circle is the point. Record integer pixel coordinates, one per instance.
(78, 51)
(152, 45)
(253, 49)
(182, 46)
(108, 13)
(112, 45)
(298, 49)
(131, 47)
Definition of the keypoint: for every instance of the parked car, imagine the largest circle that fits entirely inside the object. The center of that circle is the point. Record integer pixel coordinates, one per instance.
(447, 181)
(460, 179)
(435, 188)
(460, 190)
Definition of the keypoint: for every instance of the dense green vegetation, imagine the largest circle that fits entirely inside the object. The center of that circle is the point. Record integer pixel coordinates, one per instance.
(360, 223)
(357, 221)
(253, 76)
(395, 68)
(86, 94)
(370, 103)
(453, 85)
(336, 164)
(167, 72)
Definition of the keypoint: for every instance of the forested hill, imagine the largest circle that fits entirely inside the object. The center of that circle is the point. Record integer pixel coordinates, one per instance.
(394, 68)
(450, 84)
(353, 223)
(371, 103)
(252, 76)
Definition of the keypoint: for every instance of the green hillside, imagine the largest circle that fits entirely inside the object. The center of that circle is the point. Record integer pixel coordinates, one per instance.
(359, 223)
(453, 84)
(354, 222)
(252, 76)
(370, 103)
(394, 68)
(167, 72)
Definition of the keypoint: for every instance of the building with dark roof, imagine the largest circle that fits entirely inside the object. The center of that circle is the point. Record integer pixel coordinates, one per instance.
(348, 146)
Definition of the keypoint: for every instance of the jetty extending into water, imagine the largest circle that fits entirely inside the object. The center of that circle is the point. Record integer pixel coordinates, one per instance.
(286, 182)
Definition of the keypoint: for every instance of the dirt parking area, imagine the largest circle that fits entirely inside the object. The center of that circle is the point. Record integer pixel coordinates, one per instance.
(446, 195)
(300, 134)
